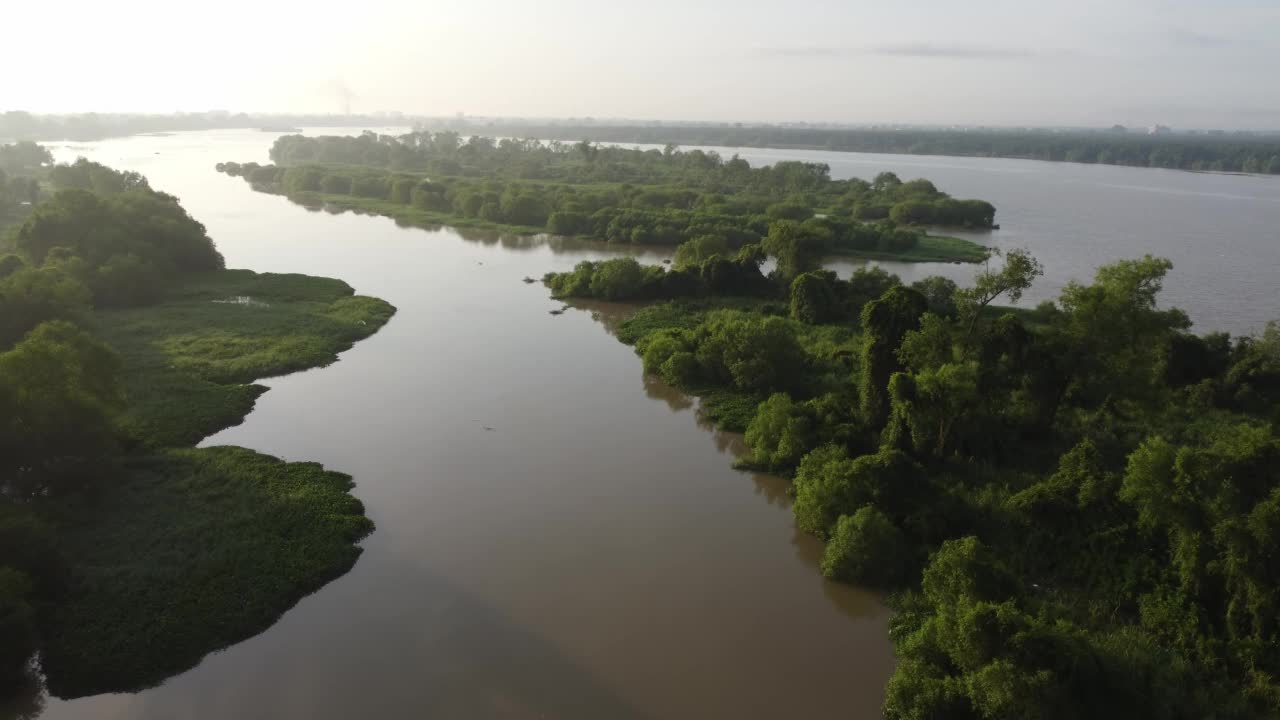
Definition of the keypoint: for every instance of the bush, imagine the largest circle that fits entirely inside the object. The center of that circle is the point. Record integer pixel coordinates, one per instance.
(813, 298)
(617, 279)
(566, 222)
(867, 549)
(781, 433)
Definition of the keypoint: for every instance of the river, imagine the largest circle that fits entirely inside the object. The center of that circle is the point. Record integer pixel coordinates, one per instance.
(559, 536)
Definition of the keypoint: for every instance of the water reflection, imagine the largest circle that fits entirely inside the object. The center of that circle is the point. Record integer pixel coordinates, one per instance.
(26, 702)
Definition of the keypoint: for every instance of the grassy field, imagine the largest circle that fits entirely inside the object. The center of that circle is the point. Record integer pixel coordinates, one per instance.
(183, 551)
(190, 360)
(932, 248)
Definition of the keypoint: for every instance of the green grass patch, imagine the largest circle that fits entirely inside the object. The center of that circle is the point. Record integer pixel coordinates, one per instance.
(183, 551)
(931, 248)
(190, 359)
(190, 551)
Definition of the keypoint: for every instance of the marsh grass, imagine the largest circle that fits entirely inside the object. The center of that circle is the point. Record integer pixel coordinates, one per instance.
(180, 551)
(190, 360)
(192, 550)
(931, 248)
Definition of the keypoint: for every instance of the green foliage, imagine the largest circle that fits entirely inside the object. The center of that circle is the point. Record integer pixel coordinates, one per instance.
(88, 175)
(126, 246)
(940, 293)
(885, 322)
(122, 560)
(187, 357)
(185, 557)
(797, 248)
(29, 297)
(813, 298)
(1019, 271)
(829, 484)
(781, 433)
(704, 247)
(1121, 473)
(868, 549)
(617, 279)
(610, 193)
(1116, 333)
(749, 353)
(59, 395)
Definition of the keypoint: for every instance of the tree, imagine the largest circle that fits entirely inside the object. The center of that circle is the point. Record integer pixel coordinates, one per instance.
(933, 402)
(780, 433)
(866, 549)
(796, 248)
(750, 353)
(813, 298)
(694, 252)
(59, 395)
(87, 175)
(940, 292)
(829, 484)
(866, 284)
(1018, 273)
(885, 322)
(617, 279)
(1116, 333)
(131, 243)
(32, 296)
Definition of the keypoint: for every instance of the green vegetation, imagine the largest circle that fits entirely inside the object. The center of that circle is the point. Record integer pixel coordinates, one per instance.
(1077, 505)
(126, 554)
(1221, 152)
(22, 169)
(192, 550)
(188, 359)
(617, 195)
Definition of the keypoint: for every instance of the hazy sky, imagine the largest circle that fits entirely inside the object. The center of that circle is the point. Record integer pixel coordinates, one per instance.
(1187, 63)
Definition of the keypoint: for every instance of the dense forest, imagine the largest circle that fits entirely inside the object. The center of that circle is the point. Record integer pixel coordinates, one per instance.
(619, 195)
(126, 554)
(1220, 152)
(1077, 506)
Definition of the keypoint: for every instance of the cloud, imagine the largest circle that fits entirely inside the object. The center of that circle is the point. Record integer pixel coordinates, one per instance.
(913, 50)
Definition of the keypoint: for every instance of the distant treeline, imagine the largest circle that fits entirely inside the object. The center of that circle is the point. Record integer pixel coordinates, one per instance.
(1222, 153)
(19, 125)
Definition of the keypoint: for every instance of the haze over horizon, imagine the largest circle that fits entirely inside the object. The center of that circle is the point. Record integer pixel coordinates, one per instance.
(989, 62)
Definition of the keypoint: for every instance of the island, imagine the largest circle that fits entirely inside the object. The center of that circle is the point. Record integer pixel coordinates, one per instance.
(616, 195)
(126, 552)
(1076, 507)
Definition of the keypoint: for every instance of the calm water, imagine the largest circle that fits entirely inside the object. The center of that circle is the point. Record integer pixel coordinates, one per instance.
(1221, 231)
(593, 555)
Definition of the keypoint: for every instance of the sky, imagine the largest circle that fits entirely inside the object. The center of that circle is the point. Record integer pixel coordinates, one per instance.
(1184, 63)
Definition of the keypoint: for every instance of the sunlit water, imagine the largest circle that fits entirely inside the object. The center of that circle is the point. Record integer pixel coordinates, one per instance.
(559, 536)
